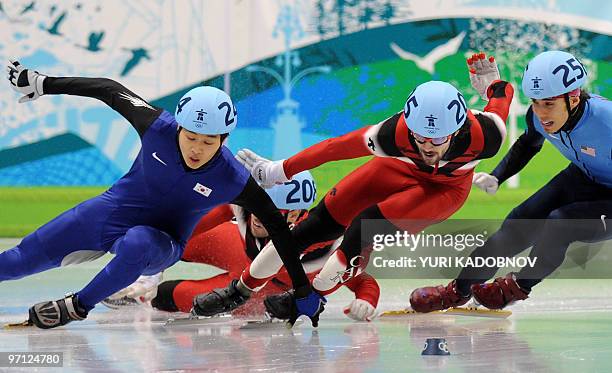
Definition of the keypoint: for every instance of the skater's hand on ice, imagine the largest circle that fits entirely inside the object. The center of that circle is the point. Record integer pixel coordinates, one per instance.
(311, 305)
(25, 81)
(360, 310)
(143, 290)
(266, 172)
(483, 71)
(488, 183)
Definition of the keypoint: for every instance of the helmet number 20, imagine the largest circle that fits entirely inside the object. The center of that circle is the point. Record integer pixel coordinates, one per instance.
(229, 111)
(308, 191)
(566, 71)
(460, 104)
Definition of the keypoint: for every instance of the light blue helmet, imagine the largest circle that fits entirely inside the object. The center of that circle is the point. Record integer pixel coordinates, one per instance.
(296, 194)
(552, 74)
(435, 109)
(206, 110)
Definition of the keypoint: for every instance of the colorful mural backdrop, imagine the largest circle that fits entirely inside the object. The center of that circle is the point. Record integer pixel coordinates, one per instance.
(298, 71)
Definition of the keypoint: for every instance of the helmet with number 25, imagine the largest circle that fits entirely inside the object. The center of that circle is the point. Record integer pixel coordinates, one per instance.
(207, 111)
(552, 74)
(435, 109)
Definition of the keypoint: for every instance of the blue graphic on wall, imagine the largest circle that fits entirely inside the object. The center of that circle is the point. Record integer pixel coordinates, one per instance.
(129, 43)
(100, 125)
(287, 123)
(363, 77)
(61, 160)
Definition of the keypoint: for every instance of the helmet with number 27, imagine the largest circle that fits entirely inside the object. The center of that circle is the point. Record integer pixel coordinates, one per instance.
(207, 111)
(552, 74)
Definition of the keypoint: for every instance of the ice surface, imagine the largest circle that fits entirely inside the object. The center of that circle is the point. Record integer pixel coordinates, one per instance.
(565, 326)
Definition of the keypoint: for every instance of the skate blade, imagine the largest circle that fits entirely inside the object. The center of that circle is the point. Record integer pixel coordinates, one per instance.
(198, 320)
(479, 312)
(116, 304)
(456, 311)
(269, 324)
(407, 312)
(23, 324)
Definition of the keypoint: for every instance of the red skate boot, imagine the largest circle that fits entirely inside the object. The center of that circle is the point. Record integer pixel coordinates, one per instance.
(436, 298)
(500, 293)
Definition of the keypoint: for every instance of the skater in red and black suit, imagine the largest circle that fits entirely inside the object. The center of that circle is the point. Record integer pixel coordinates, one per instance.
(422, 172)
(229, 238)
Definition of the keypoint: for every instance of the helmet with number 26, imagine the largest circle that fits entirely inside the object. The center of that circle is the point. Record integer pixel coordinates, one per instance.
(552, 74)
(207, 111)
(435, 109)
(296, 194)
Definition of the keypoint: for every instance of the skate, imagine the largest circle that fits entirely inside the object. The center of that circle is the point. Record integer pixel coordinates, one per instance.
(122, 302)
(51, 314)
(192, 320)
(141, 292)
(219, 301)
(437, 298)
(500, 293)
(280, 306)
(270, 322)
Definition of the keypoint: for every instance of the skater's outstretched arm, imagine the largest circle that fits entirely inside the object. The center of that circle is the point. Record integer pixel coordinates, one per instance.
(486, 80)
(521, 152)
(268, 173)
(257, 201)
(385, 138)
(379, 140)
(348, 146)
(131, 106)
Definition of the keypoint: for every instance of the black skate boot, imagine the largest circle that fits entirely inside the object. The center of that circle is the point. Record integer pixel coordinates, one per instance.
(220, 300)
(51, 314)
(281, 306)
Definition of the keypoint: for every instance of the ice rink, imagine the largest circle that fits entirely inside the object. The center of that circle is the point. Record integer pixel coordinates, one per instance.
(566, 326)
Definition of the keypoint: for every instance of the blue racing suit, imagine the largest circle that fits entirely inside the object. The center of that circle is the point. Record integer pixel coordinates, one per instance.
(147, 216)
(576, 205)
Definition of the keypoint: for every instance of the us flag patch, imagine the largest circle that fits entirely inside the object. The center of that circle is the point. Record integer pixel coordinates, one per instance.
(203, 190)
(587, 150)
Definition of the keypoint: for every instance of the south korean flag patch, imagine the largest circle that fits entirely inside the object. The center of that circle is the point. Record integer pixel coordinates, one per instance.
(203, 190)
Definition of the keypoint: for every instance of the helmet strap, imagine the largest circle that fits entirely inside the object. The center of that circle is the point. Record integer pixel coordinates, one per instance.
(573, 114)
(224, 137)
(567, 104)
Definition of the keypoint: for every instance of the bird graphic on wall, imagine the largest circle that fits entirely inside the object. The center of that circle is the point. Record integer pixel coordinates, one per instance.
(28, 8)
(428, 62)
(54, 30)
(137, 55)
(93, 41)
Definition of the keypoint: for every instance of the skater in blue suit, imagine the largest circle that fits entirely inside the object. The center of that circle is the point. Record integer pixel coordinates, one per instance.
(575, 206)
(182, 171)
